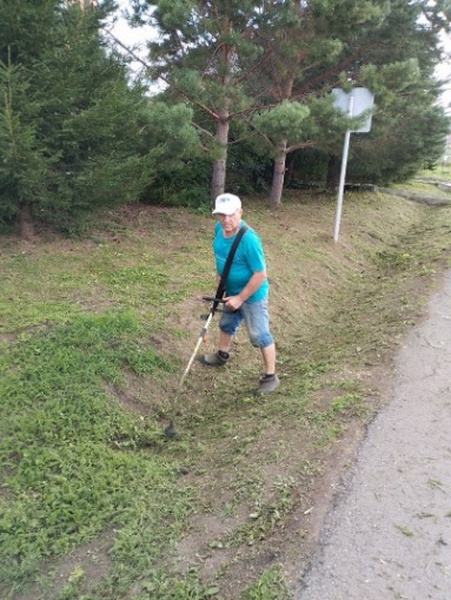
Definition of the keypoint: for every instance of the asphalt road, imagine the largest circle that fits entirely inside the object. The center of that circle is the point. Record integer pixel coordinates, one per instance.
(389, 534)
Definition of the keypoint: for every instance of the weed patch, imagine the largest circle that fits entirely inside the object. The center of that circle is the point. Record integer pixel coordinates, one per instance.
(67, 476)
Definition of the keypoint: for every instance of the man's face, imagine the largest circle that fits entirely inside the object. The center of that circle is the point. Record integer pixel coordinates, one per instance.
(230, 223)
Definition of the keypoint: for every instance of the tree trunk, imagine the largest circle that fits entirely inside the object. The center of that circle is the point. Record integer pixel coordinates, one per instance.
(220, 164)
(275, 196)
(26, 227)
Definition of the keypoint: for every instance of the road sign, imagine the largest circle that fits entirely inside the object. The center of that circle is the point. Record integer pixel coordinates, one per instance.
(354, 103)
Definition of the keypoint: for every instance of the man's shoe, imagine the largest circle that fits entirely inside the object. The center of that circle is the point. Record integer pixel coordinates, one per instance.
(268, 383)
(213, 360)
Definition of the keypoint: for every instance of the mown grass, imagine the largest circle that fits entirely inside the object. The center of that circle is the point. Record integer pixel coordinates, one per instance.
(94, 337)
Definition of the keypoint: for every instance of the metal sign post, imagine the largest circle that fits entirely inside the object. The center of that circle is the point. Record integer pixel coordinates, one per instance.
(354, 103)
(341, 185)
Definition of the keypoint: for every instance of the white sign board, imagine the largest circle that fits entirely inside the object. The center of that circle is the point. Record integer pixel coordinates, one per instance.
(354, 104)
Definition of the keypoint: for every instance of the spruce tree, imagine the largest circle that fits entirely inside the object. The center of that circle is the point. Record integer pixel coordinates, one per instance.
(74, 132)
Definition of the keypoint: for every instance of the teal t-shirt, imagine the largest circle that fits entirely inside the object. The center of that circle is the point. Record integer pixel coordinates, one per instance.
(248, 259)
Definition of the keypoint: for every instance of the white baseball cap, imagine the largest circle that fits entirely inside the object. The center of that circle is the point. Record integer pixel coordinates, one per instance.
(226, 204)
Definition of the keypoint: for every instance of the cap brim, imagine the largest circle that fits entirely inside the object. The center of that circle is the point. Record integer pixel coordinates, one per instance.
(221, 212)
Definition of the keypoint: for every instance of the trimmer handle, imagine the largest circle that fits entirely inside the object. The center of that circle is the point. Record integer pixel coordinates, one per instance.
(213, 299)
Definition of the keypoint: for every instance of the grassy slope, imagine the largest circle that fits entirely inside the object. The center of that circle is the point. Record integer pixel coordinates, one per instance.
(94, 501)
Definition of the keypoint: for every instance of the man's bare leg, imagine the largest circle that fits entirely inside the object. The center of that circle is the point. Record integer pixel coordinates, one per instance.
(225, 340)
(269, 358)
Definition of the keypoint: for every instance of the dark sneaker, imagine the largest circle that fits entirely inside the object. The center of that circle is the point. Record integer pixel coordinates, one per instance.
(268, 383)
(213, 360)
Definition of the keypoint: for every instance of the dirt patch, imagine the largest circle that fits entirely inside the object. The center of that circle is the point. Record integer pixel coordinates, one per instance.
(220, 545)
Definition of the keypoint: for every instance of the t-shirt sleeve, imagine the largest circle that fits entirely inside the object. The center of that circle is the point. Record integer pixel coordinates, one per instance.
(255, 256)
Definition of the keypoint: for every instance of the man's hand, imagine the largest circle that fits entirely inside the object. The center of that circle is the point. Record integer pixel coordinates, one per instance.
(233, 302)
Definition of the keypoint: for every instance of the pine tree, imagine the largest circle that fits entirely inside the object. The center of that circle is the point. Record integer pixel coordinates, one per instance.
(205, 53)
(352, 42)
(271, 64)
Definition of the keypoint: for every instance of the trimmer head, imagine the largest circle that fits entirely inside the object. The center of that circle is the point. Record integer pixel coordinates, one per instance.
(170, 430)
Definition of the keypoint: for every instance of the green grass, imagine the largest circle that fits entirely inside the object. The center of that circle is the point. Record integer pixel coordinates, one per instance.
(270, 585)
(74, 462)
(95, 502)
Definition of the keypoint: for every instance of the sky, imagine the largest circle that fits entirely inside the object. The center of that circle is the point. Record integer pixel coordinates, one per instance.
(132, 37)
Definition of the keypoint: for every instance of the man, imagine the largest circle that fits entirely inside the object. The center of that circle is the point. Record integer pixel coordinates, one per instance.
(246, 291)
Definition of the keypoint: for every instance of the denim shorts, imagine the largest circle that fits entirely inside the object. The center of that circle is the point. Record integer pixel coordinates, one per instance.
(256, 318)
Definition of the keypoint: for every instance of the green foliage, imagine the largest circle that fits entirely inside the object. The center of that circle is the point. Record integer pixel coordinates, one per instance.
(284, 121)
(249, 168)
(64, 439)
(204, 53)
(24, 163)
(158, 585)
(307, 168)
(270, 586)
(354, 43)
(75, 135)
(169, 127)
(187, 184)
(408, 131)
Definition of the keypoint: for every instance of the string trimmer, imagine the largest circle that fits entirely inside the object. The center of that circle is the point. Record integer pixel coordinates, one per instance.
(170, 430)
